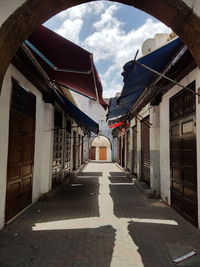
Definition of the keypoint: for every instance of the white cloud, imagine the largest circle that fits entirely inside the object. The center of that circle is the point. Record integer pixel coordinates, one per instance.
(83, 10)
(71, 29)
(109, 40)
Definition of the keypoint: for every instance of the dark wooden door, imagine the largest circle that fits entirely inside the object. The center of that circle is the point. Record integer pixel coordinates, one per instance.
(82, 150)
(57, 148)
(145, 150)
(127, 150)
(21, 152)
(123, 152)
(135, 149)
(102, 153)
(74, 149)
(183, 160)
(93, 153)
(119, 150)
(67, 150)
(79, 150)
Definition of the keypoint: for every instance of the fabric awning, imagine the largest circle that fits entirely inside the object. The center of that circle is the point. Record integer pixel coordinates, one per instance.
(137, 78)
(117, 110)
(115, 125)
(79, 116)
(66, 63)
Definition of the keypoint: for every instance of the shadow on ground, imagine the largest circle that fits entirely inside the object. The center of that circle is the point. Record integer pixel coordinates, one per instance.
(160, 244)
(160, 233)
(119, 179)
(76, 247)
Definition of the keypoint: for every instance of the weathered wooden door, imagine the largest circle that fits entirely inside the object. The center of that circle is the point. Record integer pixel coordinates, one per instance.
(82, 150)
(67, 150)
(57, 148)
(135, 149)
(128, 150)
(183, 155)
(21, 152)
(145, 150)
(74, 149)
(93, 153)
(123, 152)
(102, 153)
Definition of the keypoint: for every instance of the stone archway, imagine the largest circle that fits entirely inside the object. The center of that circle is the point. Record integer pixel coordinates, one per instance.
(20, 18)
(102, 148)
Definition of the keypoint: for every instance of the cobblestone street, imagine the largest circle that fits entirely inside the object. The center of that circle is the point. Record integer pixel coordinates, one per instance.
(101, 219)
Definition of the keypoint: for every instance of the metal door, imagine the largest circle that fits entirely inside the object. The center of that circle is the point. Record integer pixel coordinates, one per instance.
(134, 149)
(183, 163)
(21, 152)
(145, 150)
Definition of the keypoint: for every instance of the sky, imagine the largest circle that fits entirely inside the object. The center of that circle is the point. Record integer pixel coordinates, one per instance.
(111, 31)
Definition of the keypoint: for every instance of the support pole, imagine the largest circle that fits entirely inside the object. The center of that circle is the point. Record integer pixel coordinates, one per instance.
(165, 77)
(93, 74)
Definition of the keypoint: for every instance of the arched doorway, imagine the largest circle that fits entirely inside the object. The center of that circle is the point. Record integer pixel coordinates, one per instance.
(19, 19)
(100, 149)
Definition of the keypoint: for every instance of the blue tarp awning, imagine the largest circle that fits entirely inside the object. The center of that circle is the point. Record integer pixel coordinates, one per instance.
(137, 78)
(116, 110)
(79, 116)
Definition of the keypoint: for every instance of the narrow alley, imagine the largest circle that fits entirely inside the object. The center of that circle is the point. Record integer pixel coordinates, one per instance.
(101, 219)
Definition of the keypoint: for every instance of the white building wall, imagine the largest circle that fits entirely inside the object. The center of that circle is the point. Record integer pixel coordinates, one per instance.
(4, 133)
(97, 113)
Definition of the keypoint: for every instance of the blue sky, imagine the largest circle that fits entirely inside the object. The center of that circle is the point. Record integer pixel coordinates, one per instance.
(111, 31)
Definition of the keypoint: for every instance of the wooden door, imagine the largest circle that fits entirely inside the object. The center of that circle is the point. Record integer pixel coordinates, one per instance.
(21, 152)
(183, 162)
(67, 150)
(145, 150)
(93, 153)
(57, 148)
(123, 152)
(135, 149)
(102, 153)
(127, 150)
(119, 150)
(82, 150)
(74, 149)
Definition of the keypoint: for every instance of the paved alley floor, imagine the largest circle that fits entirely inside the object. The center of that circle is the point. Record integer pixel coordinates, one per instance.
(102, 220)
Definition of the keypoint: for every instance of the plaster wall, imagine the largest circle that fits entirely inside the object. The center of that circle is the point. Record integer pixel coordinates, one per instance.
(97, 113)
(4, 132)
(7, 7)
(165, 137)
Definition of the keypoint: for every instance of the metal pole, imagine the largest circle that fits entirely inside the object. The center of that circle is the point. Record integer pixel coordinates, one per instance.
(93, 74)
(167, 78)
